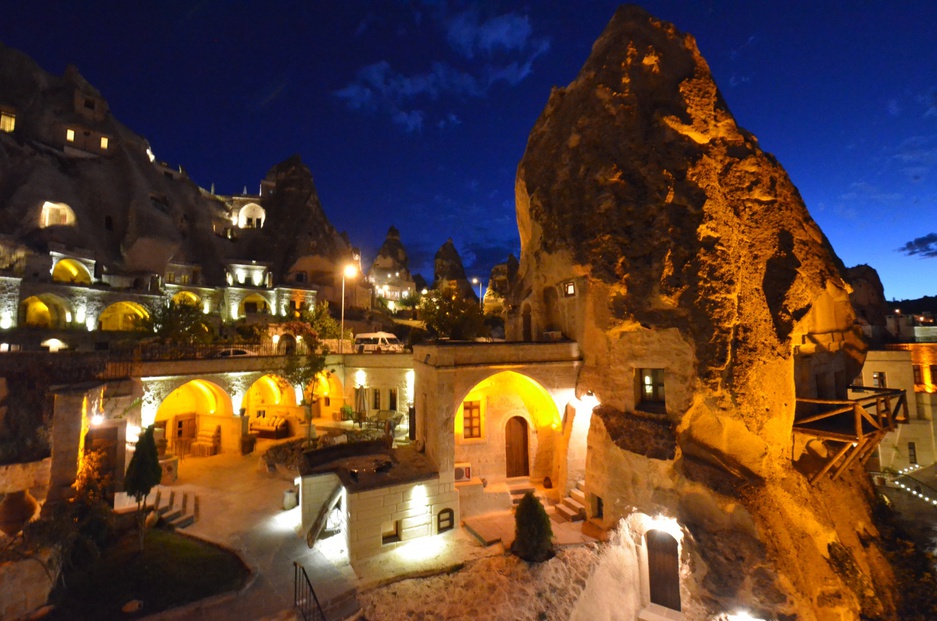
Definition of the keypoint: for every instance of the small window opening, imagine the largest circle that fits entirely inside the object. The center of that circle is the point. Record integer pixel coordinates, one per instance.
(390, 532)
(471, 419)
(445, 520)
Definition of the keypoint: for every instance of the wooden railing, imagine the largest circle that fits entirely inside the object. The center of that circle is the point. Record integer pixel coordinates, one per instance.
(853, 427)
(304, 597)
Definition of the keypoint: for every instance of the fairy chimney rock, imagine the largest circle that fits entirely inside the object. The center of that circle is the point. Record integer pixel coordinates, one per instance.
(657, 233)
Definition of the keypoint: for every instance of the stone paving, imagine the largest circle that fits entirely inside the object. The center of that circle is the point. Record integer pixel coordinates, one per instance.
(241, 508)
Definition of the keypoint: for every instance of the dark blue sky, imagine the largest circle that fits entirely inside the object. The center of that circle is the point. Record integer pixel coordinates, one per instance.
(416, 113)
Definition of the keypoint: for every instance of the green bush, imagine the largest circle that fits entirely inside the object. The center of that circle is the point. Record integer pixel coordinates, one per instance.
(533, 534)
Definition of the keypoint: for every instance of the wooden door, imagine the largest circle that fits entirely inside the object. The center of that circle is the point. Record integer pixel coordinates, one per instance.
(515, 448)
(663, 568)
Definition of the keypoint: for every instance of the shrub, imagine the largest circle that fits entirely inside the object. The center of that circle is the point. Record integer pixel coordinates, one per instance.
(533, 534)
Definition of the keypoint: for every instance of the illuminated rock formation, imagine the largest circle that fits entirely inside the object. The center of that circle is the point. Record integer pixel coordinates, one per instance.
(657, 233)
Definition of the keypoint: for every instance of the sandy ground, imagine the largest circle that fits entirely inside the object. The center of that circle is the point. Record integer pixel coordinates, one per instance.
(501, 587)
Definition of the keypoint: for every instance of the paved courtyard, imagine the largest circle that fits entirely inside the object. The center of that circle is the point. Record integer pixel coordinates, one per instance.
(241, 507)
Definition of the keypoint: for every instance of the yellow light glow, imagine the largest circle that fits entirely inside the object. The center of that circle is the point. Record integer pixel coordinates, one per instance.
(54, 345)
(6, 321)
(419, 496)
(80, 315)
(97, 419)
(104, 142)
(742, 615)
(133, 434)
(663, 523)
(421, 549)
(276, 339)
(68, 316)
(350, 271)
(360, 377)
(70, 135)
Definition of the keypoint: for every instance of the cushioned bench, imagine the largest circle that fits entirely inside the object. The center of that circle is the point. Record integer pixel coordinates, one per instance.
(273, 427)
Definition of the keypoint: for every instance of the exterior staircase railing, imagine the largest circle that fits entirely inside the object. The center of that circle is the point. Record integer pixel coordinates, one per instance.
(304, 597)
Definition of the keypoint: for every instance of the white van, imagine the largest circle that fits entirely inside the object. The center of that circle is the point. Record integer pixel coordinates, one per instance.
(376, 343)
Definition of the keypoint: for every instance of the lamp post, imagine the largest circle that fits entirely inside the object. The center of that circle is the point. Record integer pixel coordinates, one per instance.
(477, 281)
(350, 271)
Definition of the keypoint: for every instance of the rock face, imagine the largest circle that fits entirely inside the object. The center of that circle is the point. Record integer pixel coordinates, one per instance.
(868, 298)
(392, 255)
(659, 235)
(296, 225)
(119, 206)
(500, 284)
(449, 272)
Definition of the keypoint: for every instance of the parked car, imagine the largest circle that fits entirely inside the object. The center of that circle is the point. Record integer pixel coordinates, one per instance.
(231, 352)
(376, 343)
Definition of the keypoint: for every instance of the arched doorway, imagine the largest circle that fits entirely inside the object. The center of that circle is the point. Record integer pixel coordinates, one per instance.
(72, 272)
(186, 297)
(122, 317)
(516, 456)
(286, 344)
(528, 329)
(508, 408)
(197, 407)
(663, 568)
(551, 312)
(44, 311)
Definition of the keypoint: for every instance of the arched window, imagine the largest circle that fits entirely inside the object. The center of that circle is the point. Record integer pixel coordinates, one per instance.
(251, 216)
(663, 568)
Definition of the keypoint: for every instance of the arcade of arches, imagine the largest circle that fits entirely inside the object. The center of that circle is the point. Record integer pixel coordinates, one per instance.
(196, 405)
(507, 426)
(269, 396)
(44, 311)
(122, 316)
(326, 394)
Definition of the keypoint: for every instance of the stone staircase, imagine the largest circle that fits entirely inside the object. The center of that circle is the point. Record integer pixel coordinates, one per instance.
(177, 517)
(572, 508)
(519, 486)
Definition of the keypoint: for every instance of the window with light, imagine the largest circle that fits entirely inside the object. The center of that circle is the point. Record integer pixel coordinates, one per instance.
(471, 420)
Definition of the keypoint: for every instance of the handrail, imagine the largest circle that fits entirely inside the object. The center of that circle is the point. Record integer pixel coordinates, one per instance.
(304, 597)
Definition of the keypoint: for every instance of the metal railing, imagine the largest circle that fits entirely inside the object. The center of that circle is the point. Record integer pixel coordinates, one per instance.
(304, 597)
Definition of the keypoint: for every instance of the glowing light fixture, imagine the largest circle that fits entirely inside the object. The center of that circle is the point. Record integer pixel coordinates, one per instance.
(360, 377)
(350, 271)
(6, 321)
(97, 419)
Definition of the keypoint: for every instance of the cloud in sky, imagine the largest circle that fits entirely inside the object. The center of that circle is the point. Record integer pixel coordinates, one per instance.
(496, 49)
(925, 246)
(917, 156)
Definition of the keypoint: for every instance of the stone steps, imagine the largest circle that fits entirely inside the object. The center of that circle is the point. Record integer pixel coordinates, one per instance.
(177, 517)
(572, 508)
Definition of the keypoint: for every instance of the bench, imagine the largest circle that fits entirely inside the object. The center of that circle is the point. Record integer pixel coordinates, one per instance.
(273, 427)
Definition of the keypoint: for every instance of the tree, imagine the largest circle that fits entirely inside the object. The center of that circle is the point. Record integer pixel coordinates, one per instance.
(303, 363)
(178, 323)
(448, 315)
(321, 322)
(143, 474)
(533, 534)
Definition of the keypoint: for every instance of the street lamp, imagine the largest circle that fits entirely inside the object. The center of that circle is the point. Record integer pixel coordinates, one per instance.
(477, 281)
(350, 271)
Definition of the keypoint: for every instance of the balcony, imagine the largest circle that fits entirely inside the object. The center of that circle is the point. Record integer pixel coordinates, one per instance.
(851, 428)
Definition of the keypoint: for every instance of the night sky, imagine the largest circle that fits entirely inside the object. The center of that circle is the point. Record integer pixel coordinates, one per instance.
(416, 114)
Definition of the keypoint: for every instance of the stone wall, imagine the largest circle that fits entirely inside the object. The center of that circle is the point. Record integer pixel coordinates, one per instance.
(25, 586)
(413, 507)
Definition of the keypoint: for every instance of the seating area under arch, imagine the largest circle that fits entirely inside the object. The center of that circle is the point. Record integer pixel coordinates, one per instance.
(45, 311)
(506, 426)
(122, 316)
(71, 271)
(270, 407)
(197, 412)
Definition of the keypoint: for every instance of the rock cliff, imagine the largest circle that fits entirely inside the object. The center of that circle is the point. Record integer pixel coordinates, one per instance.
(448, 271)
(656, 232)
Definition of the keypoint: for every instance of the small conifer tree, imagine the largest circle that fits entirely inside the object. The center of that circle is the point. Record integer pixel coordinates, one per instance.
(533, 534)
(143, 474)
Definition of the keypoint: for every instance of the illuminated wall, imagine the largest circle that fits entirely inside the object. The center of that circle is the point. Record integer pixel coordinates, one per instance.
(501, 397)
